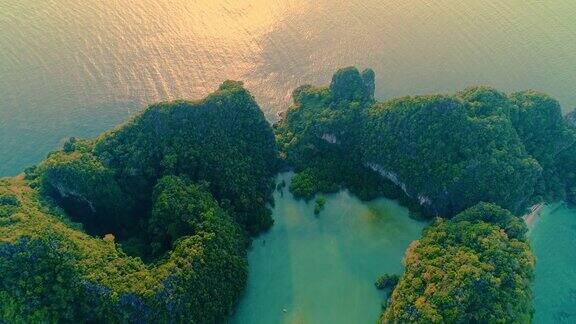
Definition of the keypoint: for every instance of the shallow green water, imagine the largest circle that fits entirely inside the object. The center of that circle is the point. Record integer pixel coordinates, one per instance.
(321, 269)
(553, 241)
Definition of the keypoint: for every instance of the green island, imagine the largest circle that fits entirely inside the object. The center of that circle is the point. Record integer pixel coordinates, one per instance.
(146, 223)
(151, 222)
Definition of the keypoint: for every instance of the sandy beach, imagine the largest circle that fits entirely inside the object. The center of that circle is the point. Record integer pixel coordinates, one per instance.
(531, 217)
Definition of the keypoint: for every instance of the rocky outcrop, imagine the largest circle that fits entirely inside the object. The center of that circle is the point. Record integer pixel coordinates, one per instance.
(349, 85)
(330, 138)
(66, 192)
(393, 177)
(571, 118)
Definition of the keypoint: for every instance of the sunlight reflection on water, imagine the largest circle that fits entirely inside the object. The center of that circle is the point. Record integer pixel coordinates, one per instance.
(73, 68)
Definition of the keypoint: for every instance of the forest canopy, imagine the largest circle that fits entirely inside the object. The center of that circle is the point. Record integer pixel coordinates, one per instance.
(474, 268)
(440, 154)
(146, 223)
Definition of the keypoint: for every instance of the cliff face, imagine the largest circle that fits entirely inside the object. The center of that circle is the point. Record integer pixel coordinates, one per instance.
(182, 184)
(571, 118)
(352, 86)
(53, 272)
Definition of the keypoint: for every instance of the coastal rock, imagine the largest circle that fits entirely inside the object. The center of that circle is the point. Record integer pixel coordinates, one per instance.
(330, 138)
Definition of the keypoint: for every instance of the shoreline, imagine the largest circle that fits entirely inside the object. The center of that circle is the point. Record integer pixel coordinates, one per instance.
(531, 217)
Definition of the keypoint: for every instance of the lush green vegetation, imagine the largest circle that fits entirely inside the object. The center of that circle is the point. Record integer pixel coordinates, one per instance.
(150, 222)
(146, 223)
(440, 154)
(476, 267)
(319, 204)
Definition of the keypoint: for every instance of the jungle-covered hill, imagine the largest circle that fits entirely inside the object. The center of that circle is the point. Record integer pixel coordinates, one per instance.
(181, 186)
(439, 153)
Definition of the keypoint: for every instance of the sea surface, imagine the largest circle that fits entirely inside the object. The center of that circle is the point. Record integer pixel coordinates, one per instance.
(77, 68)
(322, 268)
